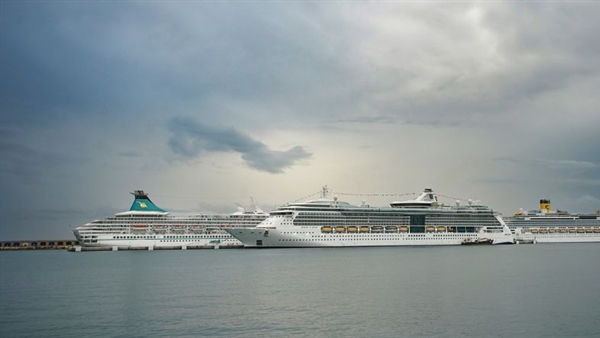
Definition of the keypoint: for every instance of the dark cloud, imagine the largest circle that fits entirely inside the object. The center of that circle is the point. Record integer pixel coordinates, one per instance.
(190, 139)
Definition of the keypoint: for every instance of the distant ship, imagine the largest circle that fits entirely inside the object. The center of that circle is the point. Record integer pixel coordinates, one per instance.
(548, 226)
(146, 225)
(327, 222)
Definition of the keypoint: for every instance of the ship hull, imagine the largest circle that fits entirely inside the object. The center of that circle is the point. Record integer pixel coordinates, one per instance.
(558, 238)
(284, 238)
(132, 241)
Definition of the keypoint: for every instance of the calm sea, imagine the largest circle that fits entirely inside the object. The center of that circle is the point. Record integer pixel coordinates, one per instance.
(550, 290)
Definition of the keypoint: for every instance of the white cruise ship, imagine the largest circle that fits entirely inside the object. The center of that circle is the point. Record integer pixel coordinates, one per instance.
(327, 222)
(548, 226)
(146, 225)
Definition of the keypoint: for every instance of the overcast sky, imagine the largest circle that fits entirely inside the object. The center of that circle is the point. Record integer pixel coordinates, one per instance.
(205, 105)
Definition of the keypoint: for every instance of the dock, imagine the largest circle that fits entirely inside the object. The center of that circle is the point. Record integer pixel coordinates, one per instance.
(79, 248)
(74, 246)
(60, 244)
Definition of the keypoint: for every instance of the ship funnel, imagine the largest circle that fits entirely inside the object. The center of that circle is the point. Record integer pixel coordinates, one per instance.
(545, 206)
(143, 203)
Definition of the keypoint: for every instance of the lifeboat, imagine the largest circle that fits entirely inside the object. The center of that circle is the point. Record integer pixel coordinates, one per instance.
(451, 229)
(430, 229)
(139, 227)
(563, 230)
(596, 230)
(326, 229)
(403, 229)
(552, 230)
(580, 230)
(365, 229)
(340, 229)
(543, 230)
(534, 231)
(589, 230)
(352, 229)
(572, 230)
(376, 228)
(441, 229)
(391, 228)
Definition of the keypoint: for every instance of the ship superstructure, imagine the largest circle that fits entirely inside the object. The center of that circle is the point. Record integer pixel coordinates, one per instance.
(554, 226)
(328, 222)
(145, 225)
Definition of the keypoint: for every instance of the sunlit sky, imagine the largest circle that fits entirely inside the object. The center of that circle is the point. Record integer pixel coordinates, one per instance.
(206, 105)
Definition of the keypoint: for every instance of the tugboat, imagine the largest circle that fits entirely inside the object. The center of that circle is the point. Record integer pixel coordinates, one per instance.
(479, 241)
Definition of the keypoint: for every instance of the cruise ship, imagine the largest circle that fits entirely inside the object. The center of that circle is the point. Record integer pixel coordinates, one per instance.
(327, 222)
(549, 226)
(146, 225)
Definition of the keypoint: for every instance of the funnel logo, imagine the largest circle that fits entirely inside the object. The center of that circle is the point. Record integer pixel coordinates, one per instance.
(143, 205)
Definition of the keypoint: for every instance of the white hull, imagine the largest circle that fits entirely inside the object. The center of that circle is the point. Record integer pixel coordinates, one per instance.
(163, 241)
(284, 238)
(558, 237)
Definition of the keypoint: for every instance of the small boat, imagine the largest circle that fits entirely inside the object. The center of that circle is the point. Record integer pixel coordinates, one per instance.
(391, 228)
(326, 229)
(430, 229)
(377, 228)
(441, 229)
(352, 229)
(403, 229)
(478, 241)
(340, 229)
(365, 229)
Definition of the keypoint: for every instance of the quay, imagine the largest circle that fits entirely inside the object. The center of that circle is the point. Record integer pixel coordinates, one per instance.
(74, 246)
(79, 248)
(60, 244)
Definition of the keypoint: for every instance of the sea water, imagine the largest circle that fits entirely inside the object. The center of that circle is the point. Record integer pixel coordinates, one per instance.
(550, 290)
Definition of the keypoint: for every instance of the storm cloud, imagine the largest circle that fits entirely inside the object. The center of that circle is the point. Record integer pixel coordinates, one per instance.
(191, 139)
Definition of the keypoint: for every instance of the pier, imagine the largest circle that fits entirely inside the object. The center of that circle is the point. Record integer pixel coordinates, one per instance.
(74, 246)
(60, 244)
(79, 248)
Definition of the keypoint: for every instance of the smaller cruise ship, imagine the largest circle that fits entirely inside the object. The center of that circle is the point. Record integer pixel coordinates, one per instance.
(145, 225)
(548, 226)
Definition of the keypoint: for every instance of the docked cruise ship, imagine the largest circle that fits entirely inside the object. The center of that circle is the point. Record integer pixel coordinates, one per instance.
(549, 226)
(146, 225)
(327, 222)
